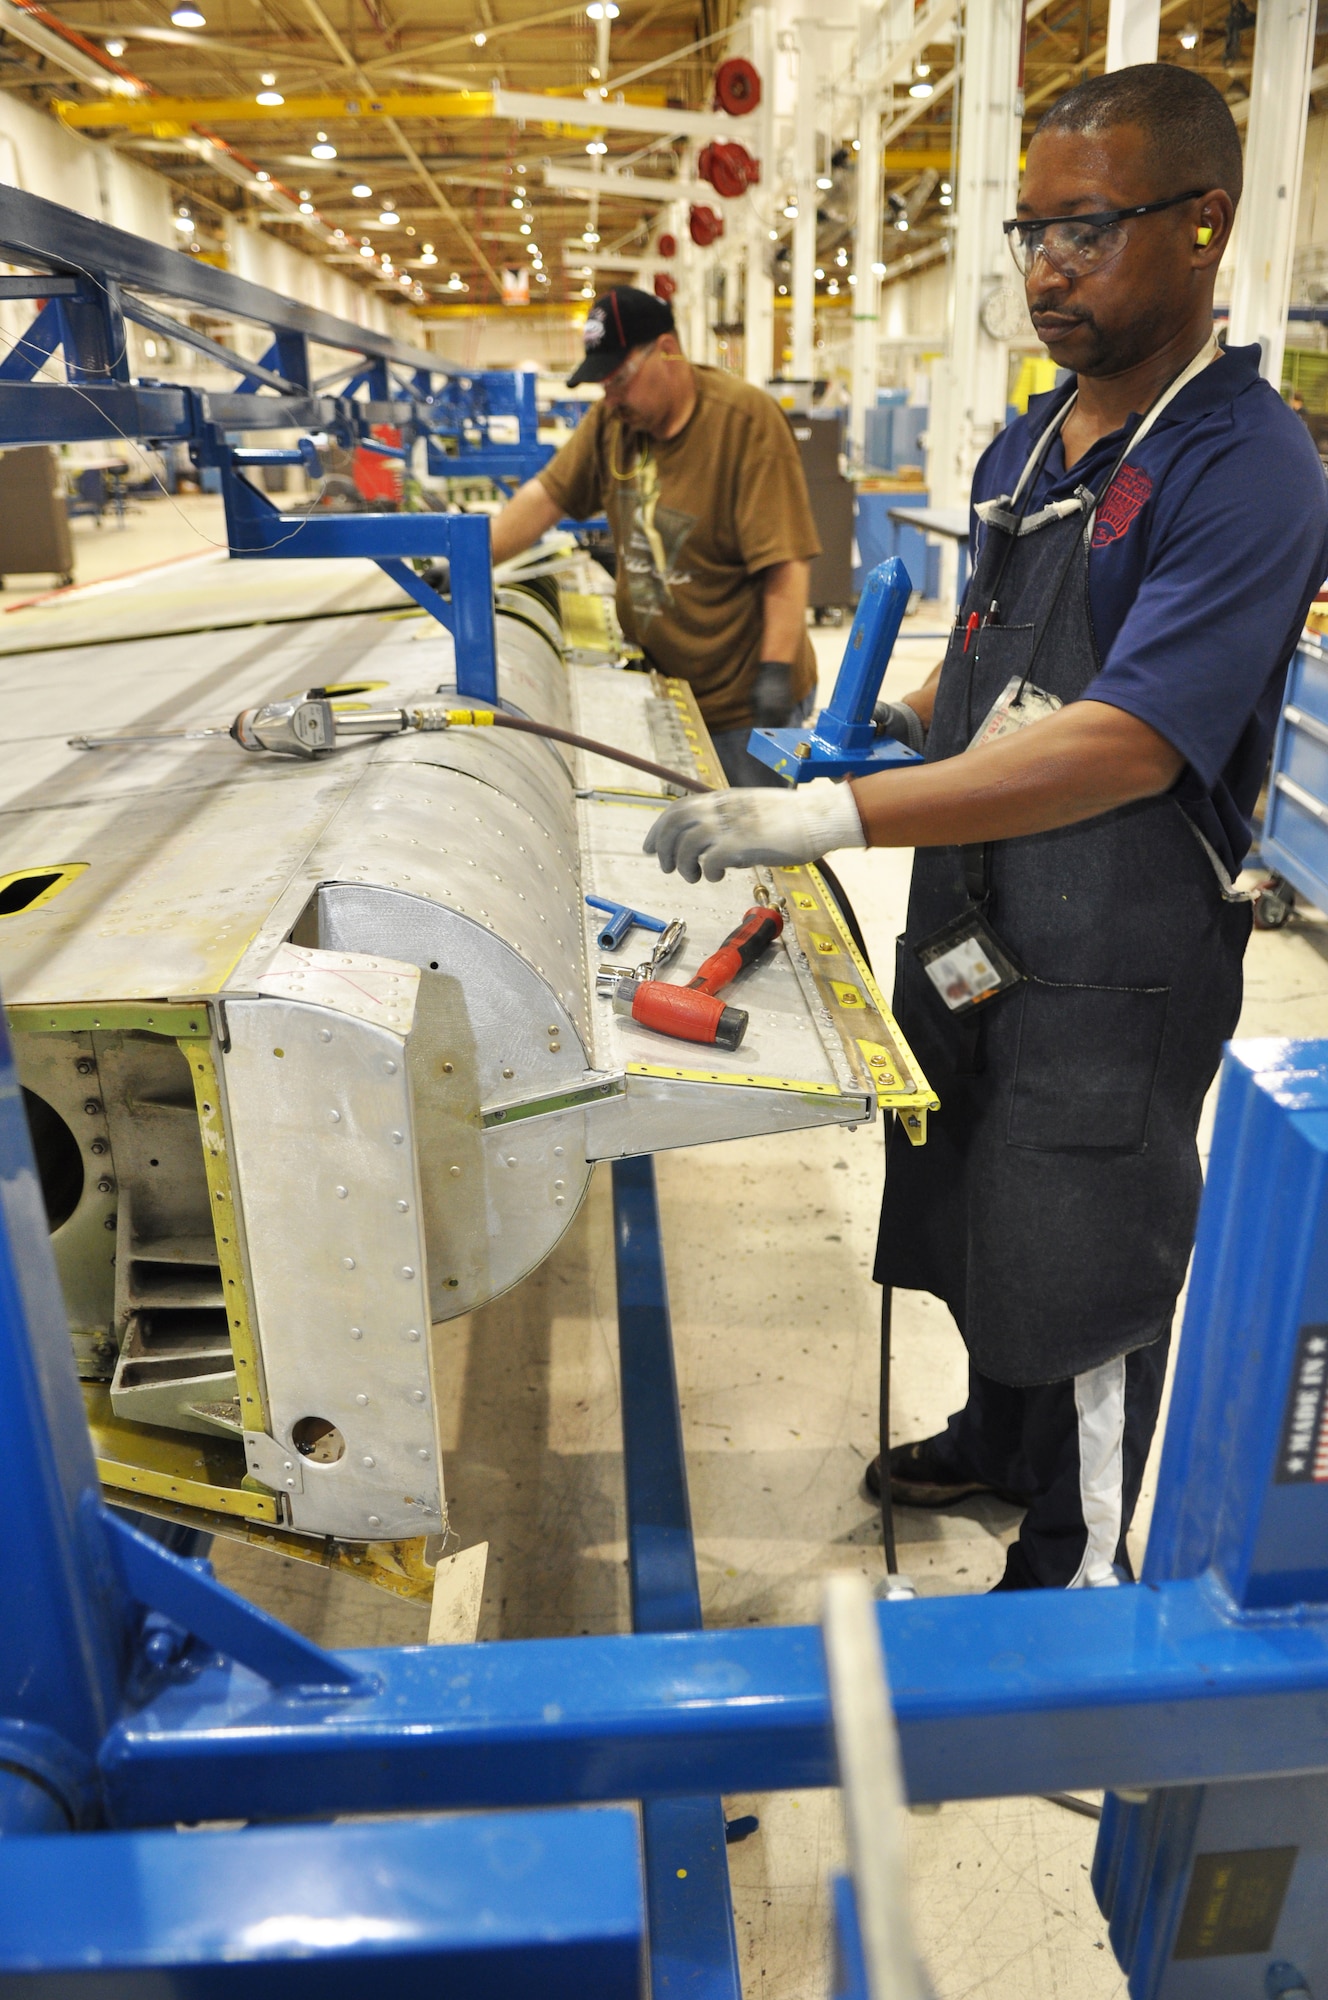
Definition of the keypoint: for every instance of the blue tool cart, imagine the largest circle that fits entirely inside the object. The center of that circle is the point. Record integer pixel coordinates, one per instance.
(1294, 840)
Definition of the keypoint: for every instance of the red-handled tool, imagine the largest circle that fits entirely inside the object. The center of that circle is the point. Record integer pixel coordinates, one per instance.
(695, 1013)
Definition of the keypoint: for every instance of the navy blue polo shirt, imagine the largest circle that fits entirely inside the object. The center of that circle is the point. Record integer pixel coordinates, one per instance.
(1207, 550)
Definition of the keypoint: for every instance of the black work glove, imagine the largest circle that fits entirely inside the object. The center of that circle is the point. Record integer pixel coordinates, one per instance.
(772, 694)
(897, 719)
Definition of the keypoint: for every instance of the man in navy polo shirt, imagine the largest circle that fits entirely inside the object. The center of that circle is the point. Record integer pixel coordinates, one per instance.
(1147, 541)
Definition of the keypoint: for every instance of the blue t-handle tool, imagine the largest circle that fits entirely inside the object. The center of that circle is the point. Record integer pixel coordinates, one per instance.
(621, 921)
(842, 742)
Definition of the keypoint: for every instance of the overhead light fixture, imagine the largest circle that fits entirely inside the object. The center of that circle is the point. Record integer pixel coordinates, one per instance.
(267, 78)
(823, 181)
(269, 97)
(388, 219)
(479, 40)
(115, 47)
(427, 255)
(150, 349)
(833, 286)
(456, 284)
(362, 190)
(594, 73)
(857, 145)
(366, 250)
(517, 201)
(590, 236)
(783, 291)
(525, 229)
(878, 270)
(921, 89)
(1189, 36)
(773, 235)
(902, 225)
(791, 211)
(597, 146)
(323, 149)
(602, 10)
(922, 69)
(262, 176)
(588, 291)
(187, 16)
(184, 224)
(306, 208)
(946, 201)
(853, 277)
(841, 257)
(946, 188)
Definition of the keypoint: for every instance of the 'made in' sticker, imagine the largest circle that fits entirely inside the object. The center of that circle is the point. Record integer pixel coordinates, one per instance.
(1303, 1452)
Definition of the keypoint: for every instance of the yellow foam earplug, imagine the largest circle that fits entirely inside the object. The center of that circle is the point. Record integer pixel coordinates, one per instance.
(1203, 237)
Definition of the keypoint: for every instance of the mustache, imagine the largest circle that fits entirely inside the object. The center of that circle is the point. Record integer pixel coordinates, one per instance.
(1052, 309)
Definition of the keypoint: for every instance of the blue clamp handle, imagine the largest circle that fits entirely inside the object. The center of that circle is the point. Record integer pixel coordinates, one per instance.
(622, 919)
(842, 743)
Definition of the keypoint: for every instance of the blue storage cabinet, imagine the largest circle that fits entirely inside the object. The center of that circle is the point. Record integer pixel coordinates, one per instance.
(877, 537)
(1294, 842)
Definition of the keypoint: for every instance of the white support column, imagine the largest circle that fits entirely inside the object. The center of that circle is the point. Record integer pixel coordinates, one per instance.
(1274, 149)
(804, 229)
(759, 290)
(866, 234)
(1132, 29)
(969, 387)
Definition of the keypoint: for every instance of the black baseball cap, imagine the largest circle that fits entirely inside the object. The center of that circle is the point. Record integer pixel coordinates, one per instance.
(619, 321)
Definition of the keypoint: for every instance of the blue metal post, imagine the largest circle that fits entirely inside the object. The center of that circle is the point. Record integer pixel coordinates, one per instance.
(66, 1630)
(693, 1946)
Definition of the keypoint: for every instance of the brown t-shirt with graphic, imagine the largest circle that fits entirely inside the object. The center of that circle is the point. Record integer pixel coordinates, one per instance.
(695, 521)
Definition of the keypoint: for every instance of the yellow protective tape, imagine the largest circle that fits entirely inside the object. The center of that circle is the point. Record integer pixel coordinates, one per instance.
(212, 1131)
(803, 1087)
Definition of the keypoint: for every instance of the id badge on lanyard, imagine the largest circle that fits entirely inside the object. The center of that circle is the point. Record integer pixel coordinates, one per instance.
(967, 963)
(1017, 704)
(965, 960)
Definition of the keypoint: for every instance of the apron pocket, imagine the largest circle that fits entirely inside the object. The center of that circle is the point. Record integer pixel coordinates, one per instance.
(1087, 1058)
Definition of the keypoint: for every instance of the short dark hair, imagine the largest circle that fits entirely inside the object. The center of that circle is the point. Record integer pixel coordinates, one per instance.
(1190, 130)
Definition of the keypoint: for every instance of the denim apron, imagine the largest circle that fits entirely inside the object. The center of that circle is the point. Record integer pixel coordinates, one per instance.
(1053, 1205)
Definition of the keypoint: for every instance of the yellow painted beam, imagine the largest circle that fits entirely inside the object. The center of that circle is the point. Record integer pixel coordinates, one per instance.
(572, 309)
(898, 160)
(145, 112)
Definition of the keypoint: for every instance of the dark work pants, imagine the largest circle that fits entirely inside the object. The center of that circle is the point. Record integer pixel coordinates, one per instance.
(739, 765)
(1076, 1452)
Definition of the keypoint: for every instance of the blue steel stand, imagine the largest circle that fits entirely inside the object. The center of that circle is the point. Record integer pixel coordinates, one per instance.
(693, 1947)
(843, 742)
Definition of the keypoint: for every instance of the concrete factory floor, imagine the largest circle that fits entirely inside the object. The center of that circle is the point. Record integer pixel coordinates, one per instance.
(775, 1321)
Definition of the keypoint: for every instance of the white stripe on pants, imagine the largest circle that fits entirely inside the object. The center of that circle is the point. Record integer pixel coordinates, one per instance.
(1099, 1399)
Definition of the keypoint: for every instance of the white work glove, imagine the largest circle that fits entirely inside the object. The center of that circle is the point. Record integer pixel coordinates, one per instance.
(712, 831)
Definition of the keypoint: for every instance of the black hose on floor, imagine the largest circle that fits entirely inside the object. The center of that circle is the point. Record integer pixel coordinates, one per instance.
(887, 1501)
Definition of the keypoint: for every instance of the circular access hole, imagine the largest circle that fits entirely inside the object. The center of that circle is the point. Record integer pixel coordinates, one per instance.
(318, 1439)
(59, 1159)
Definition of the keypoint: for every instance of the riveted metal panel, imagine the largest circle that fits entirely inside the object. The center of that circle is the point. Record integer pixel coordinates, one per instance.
(448, 839)
(488, 1032)
(324, 1144)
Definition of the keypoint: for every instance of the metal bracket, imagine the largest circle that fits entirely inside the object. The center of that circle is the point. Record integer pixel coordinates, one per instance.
(843, 742)
(273, 1463)
(184, 1592)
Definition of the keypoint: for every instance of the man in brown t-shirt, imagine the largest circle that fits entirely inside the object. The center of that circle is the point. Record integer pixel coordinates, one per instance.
(700, 479)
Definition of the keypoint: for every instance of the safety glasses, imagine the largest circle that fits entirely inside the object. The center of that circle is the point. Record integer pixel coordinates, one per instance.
(626, 373)
(1074, 245)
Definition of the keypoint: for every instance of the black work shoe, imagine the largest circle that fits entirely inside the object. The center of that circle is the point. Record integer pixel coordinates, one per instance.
(920, 1477)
